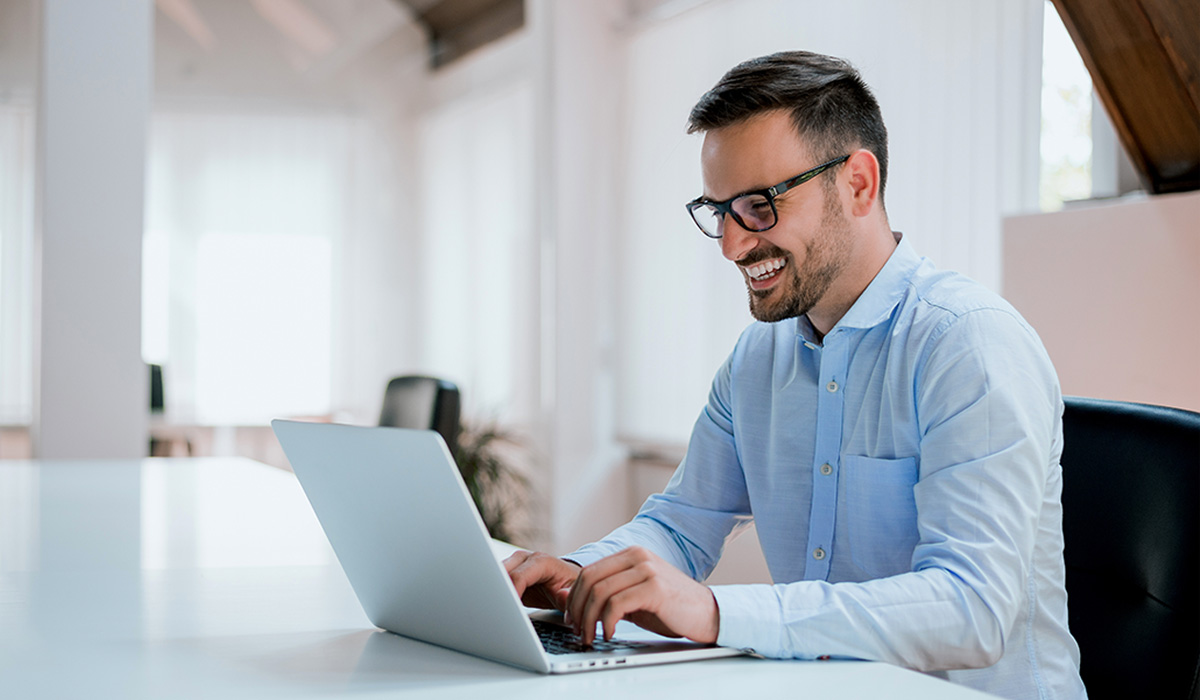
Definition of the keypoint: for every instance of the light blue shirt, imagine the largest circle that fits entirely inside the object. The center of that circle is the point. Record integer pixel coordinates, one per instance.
(904, 479)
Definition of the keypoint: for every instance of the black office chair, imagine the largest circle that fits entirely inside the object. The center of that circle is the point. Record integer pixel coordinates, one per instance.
(157, 403)
(427, 403)
(1131, 491)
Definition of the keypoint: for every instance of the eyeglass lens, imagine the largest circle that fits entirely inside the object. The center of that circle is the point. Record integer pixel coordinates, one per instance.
(752, 211)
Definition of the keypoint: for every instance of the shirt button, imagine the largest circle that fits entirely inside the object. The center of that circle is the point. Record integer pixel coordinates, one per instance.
(809, 345)
(818, 554)
(826, 469)
(831, 386)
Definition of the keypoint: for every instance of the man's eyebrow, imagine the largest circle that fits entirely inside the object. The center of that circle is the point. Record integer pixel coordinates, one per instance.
(752, 190)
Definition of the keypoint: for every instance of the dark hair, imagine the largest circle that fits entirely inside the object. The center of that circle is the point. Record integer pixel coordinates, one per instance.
(831, 106)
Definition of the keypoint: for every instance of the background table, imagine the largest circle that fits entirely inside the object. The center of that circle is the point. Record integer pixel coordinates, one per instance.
(189, 578)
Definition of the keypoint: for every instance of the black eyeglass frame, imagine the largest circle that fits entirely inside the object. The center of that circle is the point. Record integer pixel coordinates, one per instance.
(725, 208)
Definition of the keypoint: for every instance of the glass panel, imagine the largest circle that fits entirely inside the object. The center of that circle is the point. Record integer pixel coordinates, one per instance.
(1066, 149)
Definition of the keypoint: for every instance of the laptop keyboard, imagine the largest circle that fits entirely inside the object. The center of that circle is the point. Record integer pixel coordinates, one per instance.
(561, 640)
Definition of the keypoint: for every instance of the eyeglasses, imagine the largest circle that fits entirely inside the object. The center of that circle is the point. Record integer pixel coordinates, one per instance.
(753, 211)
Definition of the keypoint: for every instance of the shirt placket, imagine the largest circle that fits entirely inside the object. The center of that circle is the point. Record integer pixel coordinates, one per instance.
(826, 458)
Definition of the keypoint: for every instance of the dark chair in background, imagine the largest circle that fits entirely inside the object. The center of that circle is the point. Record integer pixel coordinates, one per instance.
(166, 439)
(1131, 489)
(157, 404)
(158, 446)
(426, 403)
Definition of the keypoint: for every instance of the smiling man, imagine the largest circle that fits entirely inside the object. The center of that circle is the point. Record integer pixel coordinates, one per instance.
(893, 430)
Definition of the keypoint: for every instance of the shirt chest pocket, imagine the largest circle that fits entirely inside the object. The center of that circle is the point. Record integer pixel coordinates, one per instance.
(881, 512)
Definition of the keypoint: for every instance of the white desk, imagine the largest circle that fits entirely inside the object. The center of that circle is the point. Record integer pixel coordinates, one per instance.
(188, 578)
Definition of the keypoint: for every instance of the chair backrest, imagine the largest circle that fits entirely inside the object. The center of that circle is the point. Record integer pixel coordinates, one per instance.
(1131, 491)
(426, 403)
(157, 404)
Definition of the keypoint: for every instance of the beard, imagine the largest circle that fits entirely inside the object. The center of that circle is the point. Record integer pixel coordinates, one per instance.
(800, 289)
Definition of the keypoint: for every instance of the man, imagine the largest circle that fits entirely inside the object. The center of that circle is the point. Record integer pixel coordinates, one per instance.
(894, 431)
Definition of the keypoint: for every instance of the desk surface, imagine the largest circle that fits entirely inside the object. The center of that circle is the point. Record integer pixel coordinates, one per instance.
(197, 578)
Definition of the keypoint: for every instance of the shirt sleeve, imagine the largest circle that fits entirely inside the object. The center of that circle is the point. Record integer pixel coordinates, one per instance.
(989, 415)
(706, 500)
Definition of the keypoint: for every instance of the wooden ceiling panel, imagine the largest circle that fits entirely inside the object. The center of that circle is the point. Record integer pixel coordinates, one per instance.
(1144, 58)
(457, 27)
(1178, 27)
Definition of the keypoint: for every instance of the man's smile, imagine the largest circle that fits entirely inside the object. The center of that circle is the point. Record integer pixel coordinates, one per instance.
(762, 275)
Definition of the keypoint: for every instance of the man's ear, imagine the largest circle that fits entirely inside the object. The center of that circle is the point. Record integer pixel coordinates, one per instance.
(861, 175)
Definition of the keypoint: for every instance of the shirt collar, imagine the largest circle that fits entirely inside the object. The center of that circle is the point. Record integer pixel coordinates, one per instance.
(875, 304)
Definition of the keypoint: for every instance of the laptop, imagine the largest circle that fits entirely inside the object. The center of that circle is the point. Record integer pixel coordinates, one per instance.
(416, 552)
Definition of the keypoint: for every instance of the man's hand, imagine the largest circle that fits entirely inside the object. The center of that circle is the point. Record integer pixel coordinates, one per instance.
(636, 585)
(542, 581)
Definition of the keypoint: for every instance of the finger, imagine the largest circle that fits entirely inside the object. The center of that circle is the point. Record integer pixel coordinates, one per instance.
(559, 598)
(624, 604)
(597, 571)
(516, 566)
(578, 588)
(522, 577)
(601, 593)
(543, 581)
(516, 559)
(534, 568)
(527, 577)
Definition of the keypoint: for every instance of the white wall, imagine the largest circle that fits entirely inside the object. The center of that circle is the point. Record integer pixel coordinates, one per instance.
(378, 276)
(474, 250)
(1112, 288)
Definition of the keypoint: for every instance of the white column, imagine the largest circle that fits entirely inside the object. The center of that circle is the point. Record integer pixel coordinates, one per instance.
(90, 383)
(579, 52)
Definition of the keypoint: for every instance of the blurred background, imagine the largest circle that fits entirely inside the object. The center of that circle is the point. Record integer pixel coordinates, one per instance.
(302, 199)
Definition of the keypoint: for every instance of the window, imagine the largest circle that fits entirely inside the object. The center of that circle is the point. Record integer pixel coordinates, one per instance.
(1066, 143)
(244, 215)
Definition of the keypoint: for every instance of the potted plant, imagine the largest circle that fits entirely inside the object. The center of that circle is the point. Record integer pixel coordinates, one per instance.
(484, 455)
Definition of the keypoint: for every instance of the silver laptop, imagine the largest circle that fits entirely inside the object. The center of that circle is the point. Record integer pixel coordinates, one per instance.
(401, 521)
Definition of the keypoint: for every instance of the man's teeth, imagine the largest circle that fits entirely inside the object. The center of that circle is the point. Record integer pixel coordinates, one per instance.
(764, 269)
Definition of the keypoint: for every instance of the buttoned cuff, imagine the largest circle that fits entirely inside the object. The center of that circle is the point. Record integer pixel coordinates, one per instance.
(751, 618)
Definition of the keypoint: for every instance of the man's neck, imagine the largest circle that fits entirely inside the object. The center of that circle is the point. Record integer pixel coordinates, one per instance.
(869, 260)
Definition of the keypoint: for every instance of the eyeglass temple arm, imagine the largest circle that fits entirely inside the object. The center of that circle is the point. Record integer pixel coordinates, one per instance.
(805, 177)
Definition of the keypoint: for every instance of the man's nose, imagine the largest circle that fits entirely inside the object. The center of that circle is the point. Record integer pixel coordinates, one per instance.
(736, 241)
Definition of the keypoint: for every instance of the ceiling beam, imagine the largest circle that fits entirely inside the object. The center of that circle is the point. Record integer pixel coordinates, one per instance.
(457, 27)
(1144, 59)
